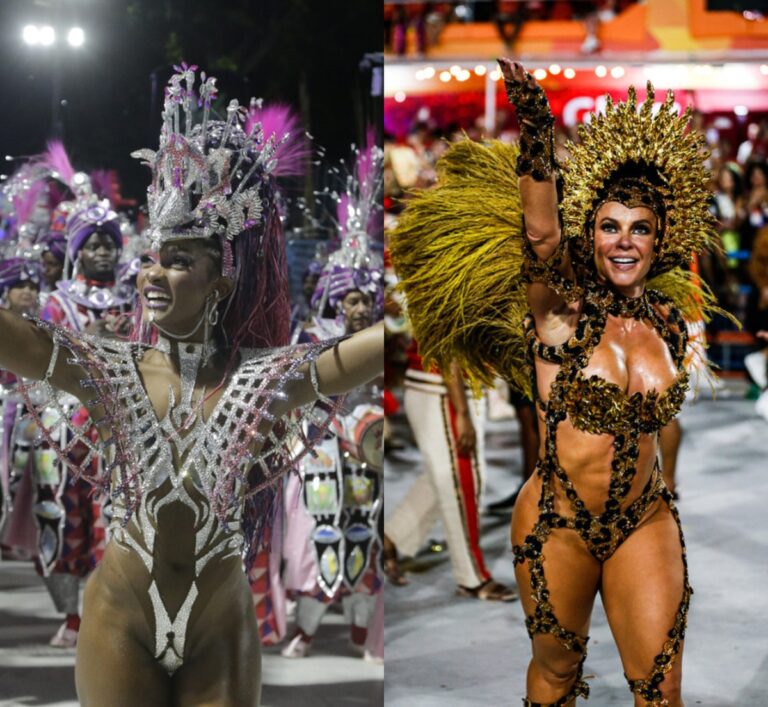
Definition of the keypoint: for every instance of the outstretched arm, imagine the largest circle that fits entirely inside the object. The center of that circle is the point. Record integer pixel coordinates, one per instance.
(347, 365)
(26, 349)
(352, 362)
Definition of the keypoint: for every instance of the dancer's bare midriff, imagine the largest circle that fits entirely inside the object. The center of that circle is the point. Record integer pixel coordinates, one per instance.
(632, 356)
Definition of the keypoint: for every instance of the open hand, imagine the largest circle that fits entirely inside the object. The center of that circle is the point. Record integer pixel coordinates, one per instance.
(513, 71)
(517, 81)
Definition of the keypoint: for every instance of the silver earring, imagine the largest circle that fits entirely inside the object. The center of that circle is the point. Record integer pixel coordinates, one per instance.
(208, 349)
(213, 314)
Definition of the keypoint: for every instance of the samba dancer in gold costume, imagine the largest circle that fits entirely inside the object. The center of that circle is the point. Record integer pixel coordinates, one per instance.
(582, 302)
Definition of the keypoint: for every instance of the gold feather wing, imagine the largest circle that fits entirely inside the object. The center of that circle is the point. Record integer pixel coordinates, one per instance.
(457, 250)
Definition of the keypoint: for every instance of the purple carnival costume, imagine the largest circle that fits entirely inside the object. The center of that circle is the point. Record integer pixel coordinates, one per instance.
(18, 457)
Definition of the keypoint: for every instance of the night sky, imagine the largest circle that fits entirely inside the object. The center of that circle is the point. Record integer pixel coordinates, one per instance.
(303, 52)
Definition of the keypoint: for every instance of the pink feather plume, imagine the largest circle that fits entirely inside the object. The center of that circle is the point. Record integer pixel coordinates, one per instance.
(25, 204)
(104, 184)
(57, 159)
(279, 119)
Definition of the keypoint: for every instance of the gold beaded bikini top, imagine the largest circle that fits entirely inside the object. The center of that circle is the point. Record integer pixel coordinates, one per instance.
(594, 404)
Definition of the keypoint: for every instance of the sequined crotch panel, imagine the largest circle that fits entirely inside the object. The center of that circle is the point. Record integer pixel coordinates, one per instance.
(596, 406)
(203, 464)
(187, 479)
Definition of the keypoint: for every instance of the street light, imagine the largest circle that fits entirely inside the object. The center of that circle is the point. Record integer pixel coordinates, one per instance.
(31, 35)
(47, 35)
(76, 37)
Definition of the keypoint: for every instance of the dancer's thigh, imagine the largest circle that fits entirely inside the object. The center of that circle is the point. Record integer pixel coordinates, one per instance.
(571, 573)
(642, 587)
(223, 668)
(114, 666)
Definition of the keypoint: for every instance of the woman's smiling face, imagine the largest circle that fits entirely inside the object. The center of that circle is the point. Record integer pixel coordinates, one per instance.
(175, 282)
(624, 238)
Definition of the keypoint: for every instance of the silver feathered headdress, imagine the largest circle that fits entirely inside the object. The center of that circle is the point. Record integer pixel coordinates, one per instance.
(206, 175)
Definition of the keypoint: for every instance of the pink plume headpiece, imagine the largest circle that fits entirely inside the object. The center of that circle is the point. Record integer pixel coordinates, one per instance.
(293, 148)
(57, 160)
(23, 191)
(356, 265)
(359, 204)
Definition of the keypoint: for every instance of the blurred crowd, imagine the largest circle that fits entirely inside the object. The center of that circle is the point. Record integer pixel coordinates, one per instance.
(427, 20)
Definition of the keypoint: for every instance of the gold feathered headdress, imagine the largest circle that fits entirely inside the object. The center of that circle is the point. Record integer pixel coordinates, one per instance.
(651, 153)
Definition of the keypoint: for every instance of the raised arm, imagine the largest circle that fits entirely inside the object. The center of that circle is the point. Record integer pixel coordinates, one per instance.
(536, 166)
(549, 271)
(26, 349)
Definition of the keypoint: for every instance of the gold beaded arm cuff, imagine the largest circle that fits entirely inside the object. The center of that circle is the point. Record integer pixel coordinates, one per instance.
(550, 272)
(537, 131)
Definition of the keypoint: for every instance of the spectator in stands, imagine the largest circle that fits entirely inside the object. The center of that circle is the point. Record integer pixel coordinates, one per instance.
(592, 14)
(757, 362)
(753, 148)
(728, 205)
(511, 15)
(403, 16)
(722, 273)
(756, 178)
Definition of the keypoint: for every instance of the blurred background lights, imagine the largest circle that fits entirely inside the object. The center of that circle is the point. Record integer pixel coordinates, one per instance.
(741, 110)
(481, 69)
(30, 34)
(540, 74)
(76, 37)
(617, 72)
(47, 35)
(601, 71)
(400, 96)
(445, 76)
(569, 73)
(555, 69)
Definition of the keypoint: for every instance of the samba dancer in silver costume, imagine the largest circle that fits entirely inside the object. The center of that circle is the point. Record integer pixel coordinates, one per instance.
(194, 430)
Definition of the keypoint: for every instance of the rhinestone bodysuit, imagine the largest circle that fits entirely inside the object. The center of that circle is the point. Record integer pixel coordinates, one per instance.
(597, 406)
(205, 464)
